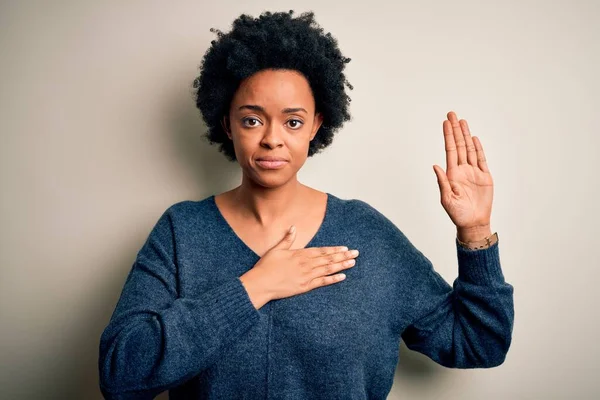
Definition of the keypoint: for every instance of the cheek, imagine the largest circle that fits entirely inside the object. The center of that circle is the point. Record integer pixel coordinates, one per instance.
(243, 143)
(302, 143)
(245, 148)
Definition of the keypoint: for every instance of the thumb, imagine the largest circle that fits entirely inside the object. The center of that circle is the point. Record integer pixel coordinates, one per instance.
(442, 181)
(287, 240)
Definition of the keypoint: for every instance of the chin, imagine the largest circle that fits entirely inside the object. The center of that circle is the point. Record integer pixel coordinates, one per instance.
(271, 178)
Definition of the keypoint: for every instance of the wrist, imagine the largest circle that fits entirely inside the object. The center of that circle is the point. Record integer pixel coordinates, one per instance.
(255, 288)
(473, 234)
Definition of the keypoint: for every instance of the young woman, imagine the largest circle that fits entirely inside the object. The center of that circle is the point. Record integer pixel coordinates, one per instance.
(224, 301)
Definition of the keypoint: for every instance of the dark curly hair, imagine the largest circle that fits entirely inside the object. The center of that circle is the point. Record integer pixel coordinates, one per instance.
(273, 41)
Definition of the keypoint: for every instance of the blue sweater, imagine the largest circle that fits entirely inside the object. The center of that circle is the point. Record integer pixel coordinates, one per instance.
(185, 323)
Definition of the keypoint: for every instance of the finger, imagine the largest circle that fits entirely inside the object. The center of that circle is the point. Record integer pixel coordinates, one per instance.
(287, 240)
(314, 252)
(331, 258)
(459, 139)
(471, 152)
(326, 280)
(326, 270)
(451, 156)
(481, 160)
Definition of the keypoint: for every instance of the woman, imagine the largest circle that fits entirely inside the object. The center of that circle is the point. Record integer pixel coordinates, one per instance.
(224, 302)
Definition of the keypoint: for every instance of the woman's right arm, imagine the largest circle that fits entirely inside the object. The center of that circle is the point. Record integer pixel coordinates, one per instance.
(156, 340)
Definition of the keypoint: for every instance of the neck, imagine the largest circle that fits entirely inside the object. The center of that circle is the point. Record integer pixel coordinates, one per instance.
(268, 205)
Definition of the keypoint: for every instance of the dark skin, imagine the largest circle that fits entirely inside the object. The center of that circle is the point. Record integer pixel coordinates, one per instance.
(268, 202)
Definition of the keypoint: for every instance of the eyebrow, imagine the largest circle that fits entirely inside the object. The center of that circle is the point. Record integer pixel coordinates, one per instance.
(261, 109)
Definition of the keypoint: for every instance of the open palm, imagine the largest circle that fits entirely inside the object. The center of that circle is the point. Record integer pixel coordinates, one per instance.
(466, 188)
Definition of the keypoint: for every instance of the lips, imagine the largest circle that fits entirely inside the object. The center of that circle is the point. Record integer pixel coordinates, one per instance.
(271, 158)
(271, 162)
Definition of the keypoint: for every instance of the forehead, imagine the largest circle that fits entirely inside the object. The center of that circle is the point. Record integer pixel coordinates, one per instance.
(275, 88)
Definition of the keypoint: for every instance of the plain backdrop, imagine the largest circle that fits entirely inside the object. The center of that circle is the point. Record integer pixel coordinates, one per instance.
(100, 134)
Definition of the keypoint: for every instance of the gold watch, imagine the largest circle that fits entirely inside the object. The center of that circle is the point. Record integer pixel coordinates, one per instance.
(482, 244)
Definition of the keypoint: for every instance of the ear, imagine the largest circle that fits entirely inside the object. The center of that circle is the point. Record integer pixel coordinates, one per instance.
(318, 121)
(226, 126)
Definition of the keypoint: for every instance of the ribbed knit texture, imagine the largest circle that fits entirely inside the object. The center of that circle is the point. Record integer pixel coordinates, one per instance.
(185, 323)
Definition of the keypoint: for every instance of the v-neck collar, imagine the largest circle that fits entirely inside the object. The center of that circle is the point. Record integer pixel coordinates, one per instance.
(247, 248)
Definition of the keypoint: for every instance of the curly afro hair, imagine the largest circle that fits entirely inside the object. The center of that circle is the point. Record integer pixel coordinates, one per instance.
(273, 41)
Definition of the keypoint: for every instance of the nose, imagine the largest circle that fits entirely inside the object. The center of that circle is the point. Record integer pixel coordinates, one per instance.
(271, 136)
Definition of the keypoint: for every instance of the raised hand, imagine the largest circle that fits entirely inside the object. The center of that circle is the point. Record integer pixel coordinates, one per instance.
(466, 188)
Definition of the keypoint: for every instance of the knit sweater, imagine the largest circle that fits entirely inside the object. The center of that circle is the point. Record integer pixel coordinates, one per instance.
(185, 323)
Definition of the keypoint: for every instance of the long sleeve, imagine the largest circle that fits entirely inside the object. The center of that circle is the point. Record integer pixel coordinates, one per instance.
(468, 324)
(156, 340)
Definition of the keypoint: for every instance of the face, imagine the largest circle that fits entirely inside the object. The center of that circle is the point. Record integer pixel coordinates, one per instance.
(272, 114)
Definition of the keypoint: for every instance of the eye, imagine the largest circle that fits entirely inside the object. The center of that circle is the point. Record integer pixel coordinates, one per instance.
(297, 122)
(254, 122)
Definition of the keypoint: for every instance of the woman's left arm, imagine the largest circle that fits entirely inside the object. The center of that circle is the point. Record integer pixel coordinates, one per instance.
(470, 324)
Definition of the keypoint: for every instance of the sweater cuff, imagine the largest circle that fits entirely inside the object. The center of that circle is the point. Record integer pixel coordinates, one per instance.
(232, 310)
(480, 267)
